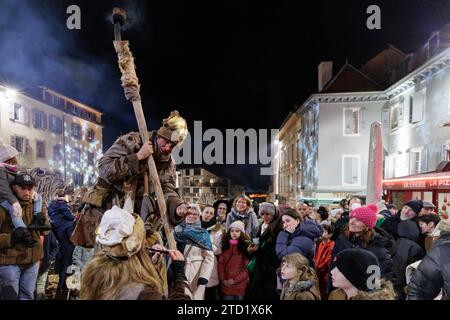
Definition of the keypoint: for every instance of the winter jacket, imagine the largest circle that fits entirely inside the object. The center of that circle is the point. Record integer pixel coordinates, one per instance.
(249, 218)
(405, 251)
(62, 220)
(233, 265)
(117, 167)
(301, 240)
(380, 245)
(81, 256)
(199, 264)
(18, 254)
(7, 176)
(390, 224)
(301, 290)
(216, 239)
(263, 281)
(120, 164)
(322, 262)
(51, 248)
(433, 273)
(386, 292)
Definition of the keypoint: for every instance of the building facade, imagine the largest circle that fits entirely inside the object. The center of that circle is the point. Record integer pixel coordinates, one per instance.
(52, 131)
(410, 97)
(197, 184)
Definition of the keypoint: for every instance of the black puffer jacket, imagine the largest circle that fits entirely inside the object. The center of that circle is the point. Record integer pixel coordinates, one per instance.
(433, 273)
(380, 245)
(405, 251)
(263, 281)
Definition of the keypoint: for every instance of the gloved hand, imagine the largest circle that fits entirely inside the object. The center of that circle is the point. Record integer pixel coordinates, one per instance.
(19, 235)
(17, 209)
(202, 282)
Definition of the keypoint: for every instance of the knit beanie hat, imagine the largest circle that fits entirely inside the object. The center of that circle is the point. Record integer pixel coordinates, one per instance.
(174, 128)
(7, 152)
(237, 225)
(415, 205)
(354, 265)
(366, 215)
(373, 206)
(267, 207)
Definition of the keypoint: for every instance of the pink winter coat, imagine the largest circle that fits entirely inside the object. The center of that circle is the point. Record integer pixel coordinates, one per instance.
(232, 265)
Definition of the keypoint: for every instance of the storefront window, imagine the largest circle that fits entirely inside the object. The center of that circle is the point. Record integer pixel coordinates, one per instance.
(443, 203)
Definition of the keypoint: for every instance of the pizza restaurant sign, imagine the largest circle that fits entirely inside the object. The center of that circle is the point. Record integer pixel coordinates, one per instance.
(421, 183)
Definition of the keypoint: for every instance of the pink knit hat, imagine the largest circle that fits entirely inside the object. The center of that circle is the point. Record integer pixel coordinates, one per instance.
(366, 215)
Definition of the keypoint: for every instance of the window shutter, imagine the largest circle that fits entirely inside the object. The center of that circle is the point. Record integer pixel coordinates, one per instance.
(11, 111)
(418, 107)
(347, 170)
(34, 117)
(385, 119)
(363, 119)
(401, 112)
(44, 120)
(348, 121)
(13, 141)
(355, 173)
(27, 146)
(59, 125)
(26, 116)
(424, 160)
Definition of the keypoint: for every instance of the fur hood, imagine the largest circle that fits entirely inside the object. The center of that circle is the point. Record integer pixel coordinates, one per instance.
(301, 286)
(386, 292)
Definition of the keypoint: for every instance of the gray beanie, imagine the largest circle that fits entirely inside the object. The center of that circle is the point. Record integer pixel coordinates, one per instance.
(266, 207)
(7, 152)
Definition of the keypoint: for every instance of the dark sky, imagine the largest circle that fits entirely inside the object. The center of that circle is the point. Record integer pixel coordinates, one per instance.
(231, 64)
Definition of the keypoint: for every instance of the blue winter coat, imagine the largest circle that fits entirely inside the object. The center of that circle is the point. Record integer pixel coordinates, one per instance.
(51, 248)
(62, 219)
(300, 241)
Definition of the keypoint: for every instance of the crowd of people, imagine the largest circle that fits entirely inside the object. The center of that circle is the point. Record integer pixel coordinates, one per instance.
(111, 245)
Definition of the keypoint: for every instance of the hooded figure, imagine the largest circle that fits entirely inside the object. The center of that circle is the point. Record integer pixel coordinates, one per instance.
(405, 251)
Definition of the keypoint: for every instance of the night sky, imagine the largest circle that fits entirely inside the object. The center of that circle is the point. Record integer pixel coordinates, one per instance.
(231, 64)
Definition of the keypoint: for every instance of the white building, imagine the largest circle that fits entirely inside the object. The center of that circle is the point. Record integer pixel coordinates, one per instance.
(408, 93)
(52, 131)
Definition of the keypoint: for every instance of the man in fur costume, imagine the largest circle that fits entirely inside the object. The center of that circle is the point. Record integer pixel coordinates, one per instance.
(123, 166)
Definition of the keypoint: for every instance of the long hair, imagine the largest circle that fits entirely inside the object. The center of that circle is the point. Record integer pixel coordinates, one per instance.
(366, 236)
(300, 263)
(104, 278)
(241, 246)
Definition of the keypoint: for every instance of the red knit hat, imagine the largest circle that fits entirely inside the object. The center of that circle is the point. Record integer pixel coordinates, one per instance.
(366, 215)
(373, 207)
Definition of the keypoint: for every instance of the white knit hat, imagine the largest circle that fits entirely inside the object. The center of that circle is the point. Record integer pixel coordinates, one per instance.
(237, 225)
(7, 152)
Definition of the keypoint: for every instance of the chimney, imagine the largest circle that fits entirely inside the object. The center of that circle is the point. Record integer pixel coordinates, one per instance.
(325, 72)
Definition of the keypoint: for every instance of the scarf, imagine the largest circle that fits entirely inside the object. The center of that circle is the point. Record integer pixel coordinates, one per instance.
(210, 223)
(193, 234)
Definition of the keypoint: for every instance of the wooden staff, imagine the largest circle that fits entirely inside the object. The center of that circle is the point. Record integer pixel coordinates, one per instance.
(130, 83)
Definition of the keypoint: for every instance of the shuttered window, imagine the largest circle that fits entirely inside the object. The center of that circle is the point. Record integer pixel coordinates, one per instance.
(351, 169)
